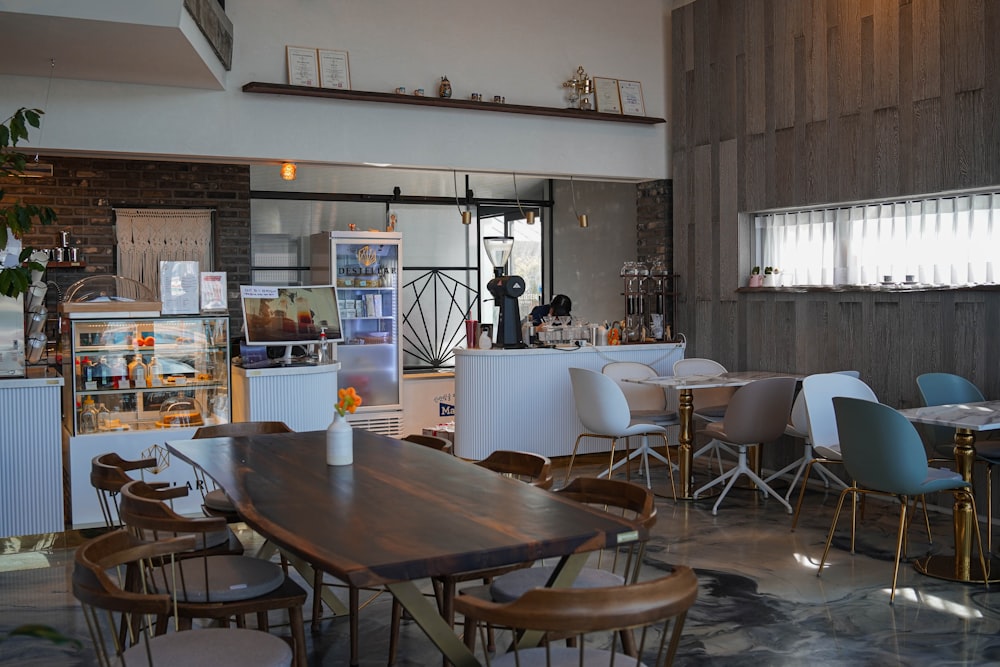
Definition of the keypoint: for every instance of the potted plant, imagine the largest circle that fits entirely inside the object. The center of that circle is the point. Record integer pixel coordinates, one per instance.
(755, 278)
(771, 276)
(16, 218)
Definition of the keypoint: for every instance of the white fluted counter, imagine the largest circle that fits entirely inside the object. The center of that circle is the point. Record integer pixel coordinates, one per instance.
(522, 399)
(31, 478)
(301, 396)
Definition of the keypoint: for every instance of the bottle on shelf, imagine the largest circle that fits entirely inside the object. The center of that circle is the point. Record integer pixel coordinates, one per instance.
(102, 373)
(154, 373)
(103, 417)
(88, 416)
(137, 372)
(119, 373)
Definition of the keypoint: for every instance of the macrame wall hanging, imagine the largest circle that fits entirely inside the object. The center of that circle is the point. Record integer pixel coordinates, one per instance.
(147, 235)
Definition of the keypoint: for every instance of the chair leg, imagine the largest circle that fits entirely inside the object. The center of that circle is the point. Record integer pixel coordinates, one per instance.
(572, 458)
(397, 615)
(901, 531)
(833, 528)
(989, 508)
(352, 620)
(802, 493)
(317, 605)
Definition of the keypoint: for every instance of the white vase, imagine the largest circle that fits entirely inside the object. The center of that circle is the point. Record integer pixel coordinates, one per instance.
(339, 442)
(770, 280)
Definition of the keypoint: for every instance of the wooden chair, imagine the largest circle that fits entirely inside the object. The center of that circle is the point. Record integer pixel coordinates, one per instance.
(432, 441)
(101, 565)
(533, 469)
(613, 566)
(526, 467)
(215, 502)
(647, 609)
(108, 474)
(212, 586)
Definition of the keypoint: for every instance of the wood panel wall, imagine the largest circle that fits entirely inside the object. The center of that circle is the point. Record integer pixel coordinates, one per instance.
(800, 102)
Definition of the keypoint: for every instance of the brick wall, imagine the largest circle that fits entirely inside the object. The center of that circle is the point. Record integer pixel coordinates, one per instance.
(83, 192)
(654, 219)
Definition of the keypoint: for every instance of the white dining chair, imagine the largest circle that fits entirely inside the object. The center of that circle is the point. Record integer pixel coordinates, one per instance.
(604, 413)
(645, 401)
(709, 404)
(818, 392)
(798, 427)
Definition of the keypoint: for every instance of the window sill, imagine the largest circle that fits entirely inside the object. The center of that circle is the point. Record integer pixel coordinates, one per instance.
(801, 289)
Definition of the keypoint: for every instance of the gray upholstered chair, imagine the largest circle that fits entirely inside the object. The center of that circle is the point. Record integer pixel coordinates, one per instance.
(757, 413)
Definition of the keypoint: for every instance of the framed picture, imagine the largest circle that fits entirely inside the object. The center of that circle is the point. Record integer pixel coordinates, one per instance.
(303, 69)
(606, 95)
(334, 69)
(631, 98)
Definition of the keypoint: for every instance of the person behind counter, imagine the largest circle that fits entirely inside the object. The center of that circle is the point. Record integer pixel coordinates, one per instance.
(560, 307)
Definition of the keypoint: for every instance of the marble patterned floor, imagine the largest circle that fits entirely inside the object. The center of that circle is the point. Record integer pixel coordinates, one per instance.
(760, 601)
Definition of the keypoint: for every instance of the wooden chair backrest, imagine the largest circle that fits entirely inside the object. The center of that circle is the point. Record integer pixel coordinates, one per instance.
(237, 429)
(144, 508)
(432, 441)
(527, 467)
(582, 611)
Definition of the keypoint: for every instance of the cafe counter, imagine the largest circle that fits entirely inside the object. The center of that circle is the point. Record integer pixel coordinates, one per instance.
(523, 400)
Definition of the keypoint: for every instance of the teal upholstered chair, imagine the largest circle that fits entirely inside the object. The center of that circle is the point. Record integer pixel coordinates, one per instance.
(884, 455)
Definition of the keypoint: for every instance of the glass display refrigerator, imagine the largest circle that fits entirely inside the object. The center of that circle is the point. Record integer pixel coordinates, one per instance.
(366, 267)
(132, 384)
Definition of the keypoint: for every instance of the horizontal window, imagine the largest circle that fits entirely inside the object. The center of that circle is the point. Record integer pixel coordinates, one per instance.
(951, 240)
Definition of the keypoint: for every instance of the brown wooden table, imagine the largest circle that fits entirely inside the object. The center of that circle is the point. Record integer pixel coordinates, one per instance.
(398, 514)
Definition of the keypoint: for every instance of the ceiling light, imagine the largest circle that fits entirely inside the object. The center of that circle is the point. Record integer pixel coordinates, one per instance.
(288, 171)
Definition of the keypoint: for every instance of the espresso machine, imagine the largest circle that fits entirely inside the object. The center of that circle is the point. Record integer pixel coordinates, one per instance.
(505, 290)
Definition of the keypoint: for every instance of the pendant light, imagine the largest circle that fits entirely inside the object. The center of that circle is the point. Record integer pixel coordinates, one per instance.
(582, 219)
(466, 214)
(530, 215)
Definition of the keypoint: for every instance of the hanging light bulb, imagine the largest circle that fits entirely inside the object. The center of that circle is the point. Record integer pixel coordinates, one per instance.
(529, 216)
(288, 171)
(466, 214)
(581, 219)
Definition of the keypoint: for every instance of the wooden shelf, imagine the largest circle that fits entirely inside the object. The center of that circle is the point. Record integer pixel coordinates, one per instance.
(448, 103)
(65, 265)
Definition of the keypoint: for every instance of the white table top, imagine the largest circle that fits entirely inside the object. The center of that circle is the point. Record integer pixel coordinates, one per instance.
(973, 416)
(733, 379)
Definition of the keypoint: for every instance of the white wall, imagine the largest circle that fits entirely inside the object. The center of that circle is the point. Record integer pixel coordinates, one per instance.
(522, 49)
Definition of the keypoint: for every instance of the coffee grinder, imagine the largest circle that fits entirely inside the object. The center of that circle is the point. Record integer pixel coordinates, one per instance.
(505, 290)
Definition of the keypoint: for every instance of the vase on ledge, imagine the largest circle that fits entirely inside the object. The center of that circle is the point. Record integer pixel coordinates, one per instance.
(339, 442)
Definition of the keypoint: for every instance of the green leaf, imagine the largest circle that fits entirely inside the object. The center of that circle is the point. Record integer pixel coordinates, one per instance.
(45, 632)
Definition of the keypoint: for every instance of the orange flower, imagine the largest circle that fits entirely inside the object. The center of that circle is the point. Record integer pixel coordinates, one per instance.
(348, 401)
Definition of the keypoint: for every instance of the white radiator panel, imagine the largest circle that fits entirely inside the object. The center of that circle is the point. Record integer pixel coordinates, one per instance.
(522, 399)
(386, 423)
(31, 489)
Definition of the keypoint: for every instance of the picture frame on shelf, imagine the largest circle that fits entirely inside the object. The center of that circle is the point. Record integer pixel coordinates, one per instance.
(303, 66)
(630, 93)
(334, 69)
(606, 95)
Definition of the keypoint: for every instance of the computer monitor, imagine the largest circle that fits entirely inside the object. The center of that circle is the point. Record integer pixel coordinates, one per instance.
(292, 315)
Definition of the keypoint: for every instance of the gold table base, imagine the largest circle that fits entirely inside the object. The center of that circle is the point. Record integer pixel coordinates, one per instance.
(944, 567)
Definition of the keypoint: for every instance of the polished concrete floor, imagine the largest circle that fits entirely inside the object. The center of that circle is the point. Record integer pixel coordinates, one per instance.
(760, 601)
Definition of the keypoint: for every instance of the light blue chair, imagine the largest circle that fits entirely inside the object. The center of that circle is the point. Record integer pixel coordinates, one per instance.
(946, 389)
(884, 455)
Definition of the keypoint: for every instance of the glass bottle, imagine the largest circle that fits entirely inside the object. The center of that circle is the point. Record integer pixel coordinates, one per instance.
(88, 416)
(154, 373)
